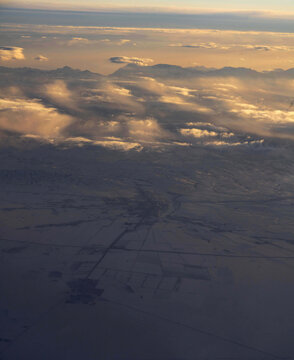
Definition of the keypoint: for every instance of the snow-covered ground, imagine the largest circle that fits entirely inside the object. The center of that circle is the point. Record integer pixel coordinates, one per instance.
(168, 251)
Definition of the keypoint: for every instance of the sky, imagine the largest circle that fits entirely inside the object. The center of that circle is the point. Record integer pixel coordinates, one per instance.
(168, 5)
(213, 34)
(88, 42)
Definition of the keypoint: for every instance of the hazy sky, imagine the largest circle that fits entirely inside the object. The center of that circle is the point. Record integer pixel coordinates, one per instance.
(267, 5)
(87, 40)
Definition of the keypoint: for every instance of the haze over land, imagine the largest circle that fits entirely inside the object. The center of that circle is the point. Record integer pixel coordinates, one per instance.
(146, 174)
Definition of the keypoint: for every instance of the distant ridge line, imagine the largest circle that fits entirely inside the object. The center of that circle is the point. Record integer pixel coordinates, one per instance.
(158, 70)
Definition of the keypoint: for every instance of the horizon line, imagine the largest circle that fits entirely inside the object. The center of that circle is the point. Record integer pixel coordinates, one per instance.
(172, 10)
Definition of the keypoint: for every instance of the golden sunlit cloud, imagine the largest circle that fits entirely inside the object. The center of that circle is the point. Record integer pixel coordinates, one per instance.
(8, 53)
(26, 116)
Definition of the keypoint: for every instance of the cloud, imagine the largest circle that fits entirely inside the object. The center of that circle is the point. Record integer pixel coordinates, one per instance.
(145, 129)
(74, 41)
(242, 35)
(8, 53)
(110, 142)
(113, 97)
(41, 58)
(223, 46)
(183, 103)
(58, 92)
(206, 130)
(30, 116)
(209, 45)
(177, 96)
(78, 40)
(206, 125)
(130, 60)
(220, 143)
(123, 41)
(220, 137)
(266, 47)
(275, 116)
(197, 133)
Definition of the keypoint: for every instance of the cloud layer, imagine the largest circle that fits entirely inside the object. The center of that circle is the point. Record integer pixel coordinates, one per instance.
(150, 106)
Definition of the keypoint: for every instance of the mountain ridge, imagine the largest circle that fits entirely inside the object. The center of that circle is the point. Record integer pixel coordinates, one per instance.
(153, 70)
